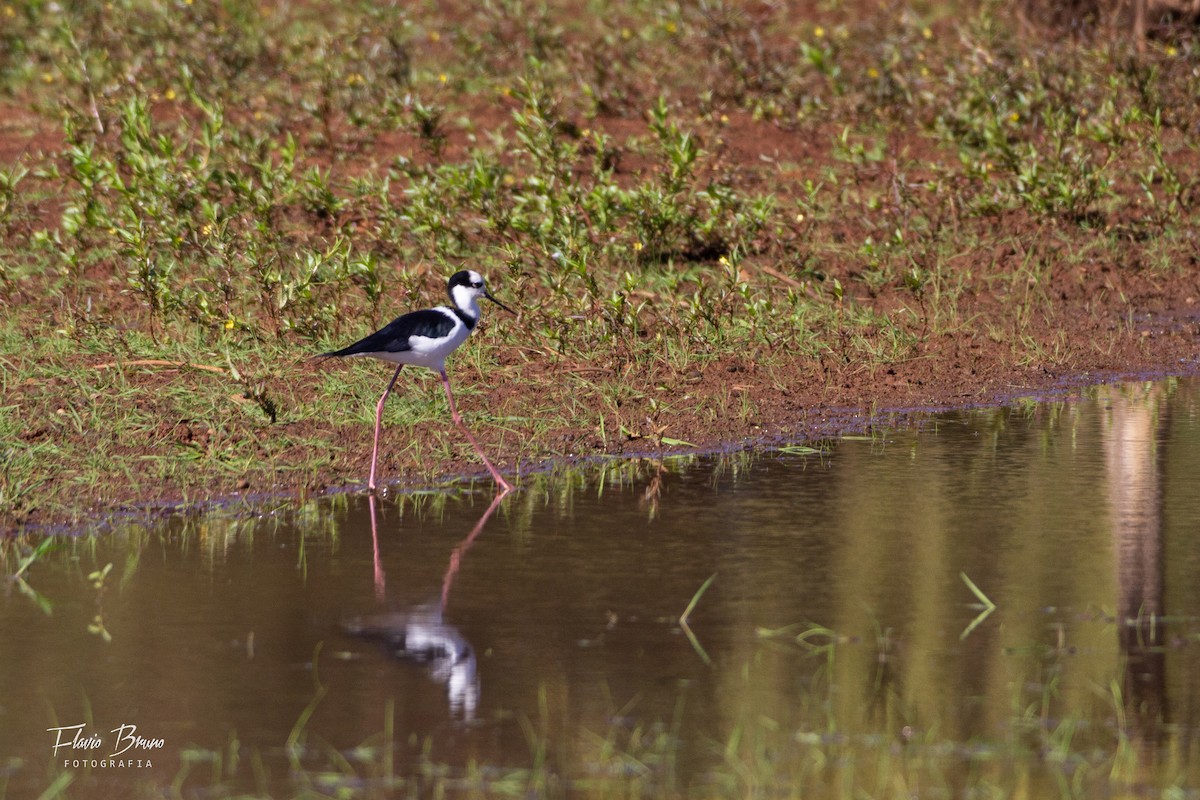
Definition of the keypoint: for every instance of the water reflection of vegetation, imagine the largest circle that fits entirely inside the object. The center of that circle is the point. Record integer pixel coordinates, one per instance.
(1048, 746)
(870, 702)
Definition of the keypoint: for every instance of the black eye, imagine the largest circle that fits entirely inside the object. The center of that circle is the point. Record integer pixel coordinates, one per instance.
(477, 284)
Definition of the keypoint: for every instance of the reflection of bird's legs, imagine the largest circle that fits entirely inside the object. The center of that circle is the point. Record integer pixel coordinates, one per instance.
(379, 579)
(465, 545)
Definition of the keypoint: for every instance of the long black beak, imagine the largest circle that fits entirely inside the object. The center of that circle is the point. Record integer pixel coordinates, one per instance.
(488, 295)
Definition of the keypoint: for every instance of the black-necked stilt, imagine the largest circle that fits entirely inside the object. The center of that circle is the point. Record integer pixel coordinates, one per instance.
(424, 339)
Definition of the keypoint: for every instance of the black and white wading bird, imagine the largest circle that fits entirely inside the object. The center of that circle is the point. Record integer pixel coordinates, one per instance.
(424, 339)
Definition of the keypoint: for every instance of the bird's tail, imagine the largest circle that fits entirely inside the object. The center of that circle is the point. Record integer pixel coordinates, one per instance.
(351, 350)
(317, 359)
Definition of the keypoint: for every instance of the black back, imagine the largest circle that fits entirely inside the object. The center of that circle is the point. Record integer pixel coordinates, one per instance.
(393, 337)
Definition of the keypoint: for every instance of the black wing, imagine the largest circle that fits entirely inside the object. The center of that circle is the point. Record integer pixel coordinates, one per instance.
(393, 337)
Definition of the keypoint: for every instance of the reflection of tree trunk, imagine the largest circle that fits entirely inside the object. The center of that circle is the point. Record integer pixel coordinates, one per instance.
(1134, 423)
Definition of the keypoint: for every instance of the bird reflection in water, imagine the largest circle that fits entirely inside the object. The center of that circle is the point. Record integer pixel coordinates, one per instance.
(421, 634)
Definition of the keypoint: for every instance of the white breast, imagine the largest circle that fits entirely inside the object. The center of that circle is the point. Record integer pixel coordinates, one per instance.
(430, 352)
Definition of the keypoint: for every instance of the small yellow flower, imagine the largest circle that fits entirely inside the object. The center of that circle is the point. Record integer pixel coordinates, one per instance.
(800, 217)
(508, 179)
(723, 261)
(927, 33)
(170, 94)
(724, 119)
(442, 78)
(1014, 117)
(924, 72)
(229, 323)
(819, 32)
(671, 27)
(206, 229)
(9, 11)
(637, 247)
(626, 33)
(1171, 51)
(47, 77)
(872, 72)
(434, 36)
(187, 2)
(506, 91)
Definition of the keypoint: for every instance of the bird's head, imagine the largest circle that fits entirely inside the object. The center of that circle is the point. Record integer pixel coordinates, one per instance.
(467, 286)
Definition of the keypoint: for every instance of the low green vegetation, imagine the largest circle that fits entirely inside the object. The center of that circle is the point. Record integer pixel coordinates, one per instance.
(195, 197)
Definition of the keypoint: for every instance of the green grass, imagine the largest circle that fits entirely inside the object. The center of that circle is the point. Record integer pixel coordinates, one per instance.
(240, 186)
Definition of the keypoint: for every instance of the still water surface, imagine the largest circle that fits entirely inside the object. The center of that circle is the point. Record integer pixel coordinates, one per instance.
(420, 644)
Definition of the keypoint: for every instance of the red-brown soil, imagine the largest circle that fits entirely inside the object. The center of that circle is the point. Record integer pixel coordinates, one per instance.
(1084, 321)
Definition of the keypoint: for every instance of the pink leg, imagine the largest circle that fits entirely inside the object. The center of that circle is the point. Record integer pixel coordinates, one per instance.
(378, 425)
(505, 486)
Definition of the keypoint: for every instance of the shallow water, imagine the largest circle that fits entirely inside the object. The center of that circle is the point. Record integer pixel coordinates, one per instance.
(420, 644)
